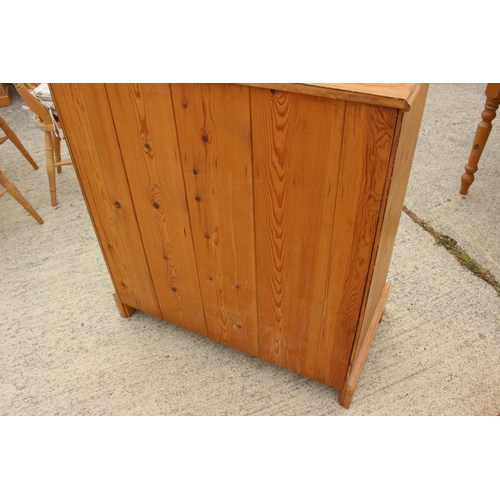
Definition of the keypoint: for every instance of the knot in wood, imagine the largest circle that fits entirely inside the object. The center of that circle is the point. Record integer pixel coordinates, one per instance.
(117, 205)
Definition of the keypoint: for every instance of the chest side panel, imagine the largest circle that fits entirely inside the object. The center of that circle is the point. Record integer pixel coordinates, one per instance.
(366, 148)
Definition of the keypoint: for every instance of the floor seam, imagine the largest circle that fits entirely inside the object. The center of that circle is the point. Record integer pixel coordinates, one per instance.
(463, 257)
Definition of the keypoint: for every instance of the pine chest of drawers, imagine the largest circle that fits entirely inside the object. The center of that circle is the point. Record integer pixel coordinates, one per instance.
(262, 216)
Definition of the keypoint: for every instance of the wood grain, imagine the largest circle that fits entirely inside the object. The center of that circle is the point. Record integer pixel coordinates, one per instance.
(405, 141)
(393, 95)
(366, 148)
(266, 213)
(145, 125)
(297, 140)
(88, 125)
(213, 124)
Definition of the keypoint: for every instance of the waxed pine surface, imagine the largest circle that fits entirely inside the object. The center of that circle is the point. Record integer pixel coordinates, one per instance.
(65, 350)
(302, 250)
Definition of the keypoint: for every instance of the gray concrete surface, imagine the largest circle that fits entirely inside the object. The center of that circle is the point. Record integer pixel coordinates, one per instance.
(64, 350)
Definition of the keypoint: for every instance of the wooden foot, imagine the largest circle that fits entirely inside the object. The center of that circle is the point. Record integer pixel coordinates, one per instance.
(123, 309)
(352, 379)
(482, 133)
(381, 316)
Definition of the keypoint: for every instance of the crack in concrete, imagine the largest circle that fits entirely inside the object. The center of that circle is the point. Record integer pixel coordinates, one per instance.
(465, 260)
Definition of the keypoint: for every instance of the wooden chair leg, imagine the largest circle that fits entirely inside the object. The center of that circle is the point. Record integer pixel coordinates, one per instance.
(56, 141)
(15, 140)
(14, 192)
(51, 169)
(482, 133)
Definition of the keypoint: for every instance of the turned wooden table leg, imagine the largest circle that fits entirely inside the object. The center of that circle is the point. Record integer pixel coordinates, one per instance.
(482, 132)
(14, 192)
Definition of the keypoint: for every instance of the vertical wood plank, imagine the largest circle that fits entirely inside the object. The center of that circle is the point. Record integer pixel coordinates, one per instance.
(297, 145)
(366, 149)
(88, 125)
(145, 126)
(213, 125)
